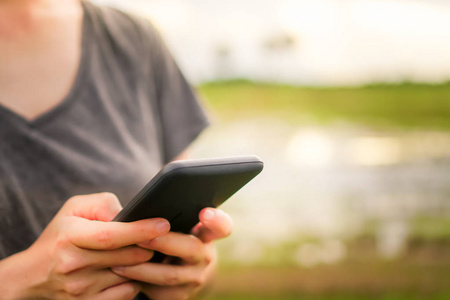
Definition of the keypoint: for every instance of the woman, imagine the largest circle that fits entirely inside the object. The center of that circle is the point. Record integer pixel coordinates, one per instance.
(91, 101)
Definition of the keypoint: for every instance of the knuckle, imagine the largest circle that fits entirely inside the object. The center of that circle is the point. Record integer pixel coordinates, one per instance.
(105, 238)
(63, 241)
(65, 259)
(67, 262)
(108, 197)
(172, 277)
(75, 288)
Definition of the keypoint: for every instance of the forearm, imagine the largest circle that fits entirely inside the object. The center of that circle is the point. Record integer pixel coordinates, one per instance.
(17, 276)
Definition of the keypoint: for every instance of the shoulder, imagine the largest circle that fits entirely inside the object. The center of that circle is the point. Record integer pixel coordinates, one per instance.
(123, 28)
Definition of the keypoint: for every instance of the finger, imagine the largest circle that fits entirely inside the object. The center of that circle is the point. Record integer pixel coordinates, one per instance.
(126, 256)
(170, 293)
(70, 261)
(124, 291)
(88, 282)
(101, 206)
(99, 235)
(162, 274)
(185, 246)
(215, 224)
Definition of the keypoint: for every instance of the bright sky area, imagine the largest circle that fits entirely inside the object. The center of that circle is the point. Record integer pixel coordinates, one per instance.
(313, 42)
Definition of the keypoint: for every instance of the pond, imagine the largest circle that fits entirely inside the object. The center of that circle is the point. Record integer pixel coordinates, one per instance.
(331, 184)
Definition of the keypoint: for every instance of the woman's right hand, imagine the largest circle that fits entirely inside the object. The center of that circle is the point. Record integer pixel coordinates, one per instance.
(73, 256)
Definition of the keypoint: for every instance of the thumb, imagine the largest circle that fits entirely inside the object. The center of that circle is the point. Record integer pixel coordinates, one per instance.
(214, 224)
(100, 207)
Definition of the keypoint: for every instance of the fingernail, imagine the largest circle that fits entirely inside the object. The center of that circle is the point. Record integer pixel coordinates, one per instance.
(162, 227)
(117, 269)
(147, 244)
(208, 214)
(144, 244)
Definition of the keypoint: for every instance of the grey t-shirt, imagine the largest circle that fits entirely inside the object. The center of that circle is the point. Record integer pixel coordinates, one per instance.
(130, 111)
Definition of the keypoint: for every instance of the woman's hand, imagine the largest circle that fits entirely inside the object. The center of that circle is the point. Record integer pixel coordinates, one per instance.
(196, 254)
(73, 256)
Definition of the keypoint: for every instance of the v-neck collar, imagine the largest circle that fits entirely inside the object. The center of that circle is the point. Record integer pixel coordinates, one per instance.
(73, 92)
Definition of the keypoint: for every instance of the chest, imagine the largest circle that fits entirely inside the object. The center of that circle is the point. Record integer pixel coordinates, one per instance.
(90, 144)
(39, 63)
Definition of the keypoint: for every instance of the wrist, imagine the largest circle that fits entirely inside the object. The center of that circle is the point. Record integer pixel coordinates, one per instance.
(16, 274)
(8, 270)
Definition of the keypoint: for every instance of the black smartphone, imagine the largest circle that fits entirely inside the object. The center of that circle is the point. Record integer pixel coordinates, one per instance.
(183, 188)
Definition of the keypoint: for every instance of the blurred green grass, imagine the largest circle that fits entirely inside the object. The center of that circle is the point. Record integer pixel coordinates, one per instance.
(421, 272)
(431, 228)
(423, 269)
(394, 296)
(378, 105)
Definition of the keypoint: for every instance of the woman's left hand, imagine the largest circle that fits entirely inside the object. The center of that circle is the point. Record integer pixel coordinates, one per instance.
(197, 259)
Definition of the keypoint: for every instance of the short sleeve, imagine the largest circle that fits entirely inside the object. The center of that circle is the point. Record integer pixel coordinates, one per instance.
(182, 118)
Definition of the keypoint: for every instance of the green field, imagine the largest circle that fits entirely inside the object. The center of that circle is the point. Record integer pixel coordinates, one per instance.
(423, 269)
(387, 296)
(421, 272)
(386, 106)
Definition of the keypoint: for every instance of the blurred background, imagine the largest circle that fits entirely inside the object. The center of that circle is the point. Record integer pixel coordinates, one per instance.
(348, 104)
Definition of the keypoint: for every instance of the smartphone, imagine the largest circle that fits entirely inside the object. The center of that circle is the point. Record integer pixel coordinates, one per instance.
(183, 188)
